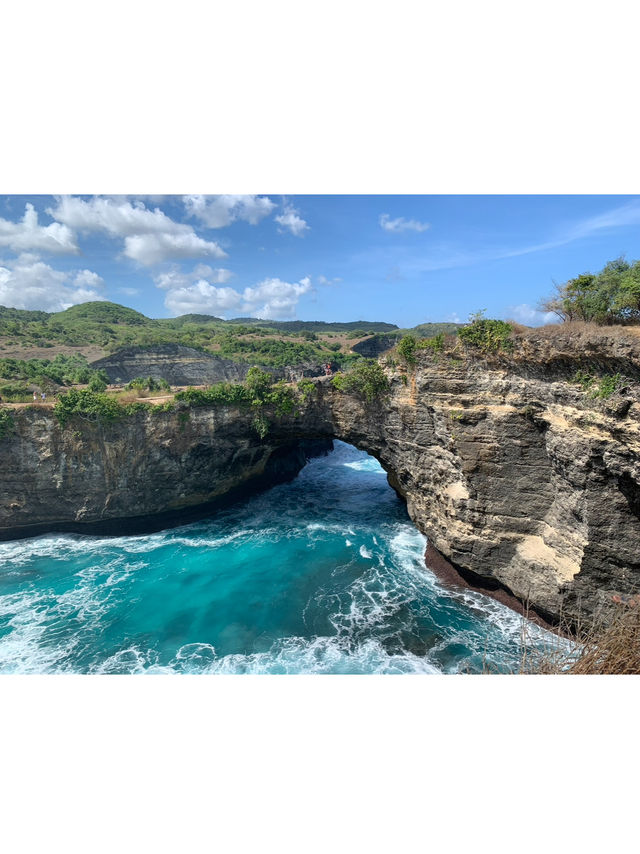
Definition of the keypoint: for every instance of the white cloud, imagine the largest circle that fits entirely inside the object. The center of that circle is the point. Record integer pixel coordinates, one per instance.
(87, 279)
(401, 224)
(292, 220)
(28, 235)
(27, 282)
(218, 211)
(524, 313)
(150, 236)
(202, 298)
(116, 217)
(196, 293)
(175, 278)
(149, 249)
(273, 298)
(130, 292)
(322, 280)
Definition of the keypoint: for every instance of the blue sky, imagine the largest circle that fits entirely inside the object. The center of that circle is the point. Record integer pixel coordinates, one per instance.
(403, 259)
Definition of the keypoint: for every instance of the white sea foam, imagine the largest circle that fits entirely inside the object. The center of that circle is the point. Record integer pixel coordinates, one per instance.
(380, 611)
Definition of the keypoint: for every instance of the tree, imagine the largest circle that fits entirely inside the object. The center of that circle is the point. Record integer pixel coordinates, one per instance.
(610, 296)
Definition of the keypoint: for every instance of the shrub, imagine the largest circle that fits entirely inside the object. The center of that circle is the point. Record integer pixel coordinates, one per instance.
(607, 386)
(280, 396)
(407, 349)
(258, 390)
(306, 389)
(436, 343)
(601, 388)
(148, 384)
(258, 382)
(88, 405)
(15, 392)
(261, 425)
(584, 379)
(486, 334)
(97, 383)
(6, 422)
(367, 379)
(220, 394)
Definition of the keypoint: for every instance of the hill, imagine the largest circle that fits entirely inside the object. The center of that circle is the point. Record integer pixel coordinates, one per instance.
(97, 329)
(430, 330)
(366, 326)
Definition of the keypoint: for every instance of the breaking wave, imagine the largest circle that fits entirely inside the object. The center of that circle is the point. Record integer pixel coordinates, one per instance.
(323, 575)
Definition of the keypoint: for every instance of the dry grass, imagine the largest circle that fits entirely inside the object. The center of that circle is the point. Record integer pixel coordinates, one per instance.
(129, 396)
(609, 646)
(578, 330)
(518, 328)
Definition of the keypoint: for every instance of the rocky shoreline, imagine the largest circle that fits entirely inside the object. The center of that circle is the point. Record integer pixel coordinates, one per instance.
(527, 486)
(447, 573)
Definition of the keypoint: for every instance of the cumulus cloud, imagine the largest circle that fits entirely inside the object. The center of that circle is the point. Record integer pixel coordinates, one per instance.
(150, 236)
(28, 235)
(176, 278)
(202, 298)
(198, 293)
(292, 221)
(219, 211)
(149, 249)
(27, 282)
(524, 313)
(401, 224)
(273, 298)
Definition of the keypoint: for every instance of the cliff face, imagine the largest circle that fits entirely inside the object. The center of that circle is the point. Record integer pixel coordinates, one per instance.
(524, 481)
(176, 364)
(147, 471)
(517, 478)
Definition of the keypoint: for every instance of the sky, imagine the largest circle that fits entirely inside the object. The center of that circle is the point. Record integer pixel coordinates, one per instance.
(403, 259)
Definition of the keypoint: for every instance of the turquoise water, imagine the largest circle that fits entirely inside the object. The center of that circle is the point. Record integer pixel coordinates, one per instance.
(322, 575)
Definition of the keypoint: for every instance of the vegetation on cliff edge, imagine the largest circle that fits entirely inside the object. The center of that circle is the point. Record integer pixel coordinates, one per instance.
(367, 379)
(611, 296)
(486, 334)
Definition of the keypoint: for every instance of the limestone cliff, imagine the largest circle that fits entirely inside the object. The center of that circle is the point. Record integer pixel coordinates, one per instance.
(513, 473)
(176, 364)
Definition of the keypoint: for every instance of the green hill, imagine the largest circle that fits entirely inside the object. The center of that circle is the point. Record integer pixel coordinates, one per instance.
(317, 325)
(112, 327)
(430, 330)
(198, 319)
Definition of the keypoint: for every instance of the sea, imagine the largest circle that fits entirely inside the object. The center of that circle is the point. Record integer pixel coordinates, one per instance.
(324, 574)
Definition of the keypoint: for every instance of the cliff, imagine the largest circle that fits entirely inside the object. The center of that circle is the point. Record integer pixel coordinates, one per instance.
(176, 364)
(517, 476)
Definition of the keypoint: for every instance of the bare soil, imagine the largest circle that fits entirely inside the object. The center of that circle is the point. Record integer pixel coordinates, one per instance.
(11, 350)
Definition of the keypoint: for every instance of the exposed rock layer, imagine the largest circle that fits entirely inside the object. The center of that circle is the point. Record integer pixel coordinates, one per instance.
(176, 364)
(522, 480)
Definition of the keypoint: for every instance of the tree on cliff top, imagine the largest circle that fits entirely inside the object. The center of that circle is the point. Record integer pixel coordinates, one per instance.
(608, 297)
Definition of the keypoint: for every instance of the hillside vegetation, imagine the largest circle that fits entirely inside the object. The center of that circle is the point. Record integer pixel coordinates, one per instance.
(113, 327)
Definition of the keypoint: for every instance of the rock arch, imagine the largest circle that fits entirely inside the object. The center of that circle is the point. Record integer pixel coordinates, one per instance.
(505, 474)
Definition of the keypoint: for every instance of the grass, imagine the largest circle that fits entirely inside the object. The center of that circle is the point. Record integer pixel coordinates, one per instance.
(580, 332)
(609, 645)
